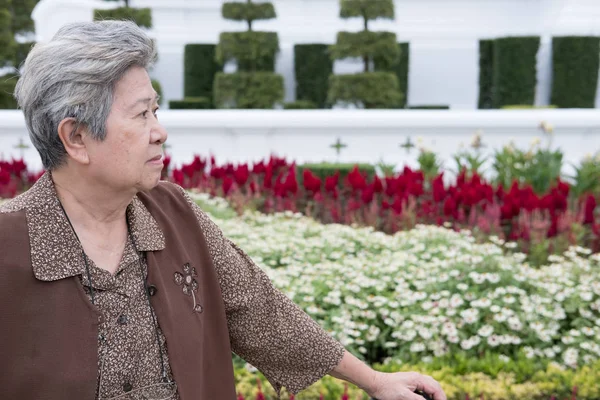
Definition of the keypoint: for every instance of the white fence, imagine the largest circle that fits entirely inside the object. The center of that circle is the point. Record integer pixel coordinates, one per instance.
(443, 36)
(368, 135)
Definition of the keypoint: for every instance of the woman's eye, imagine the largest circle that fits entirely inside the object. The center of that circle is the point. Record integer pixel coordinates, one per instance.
(144, 113)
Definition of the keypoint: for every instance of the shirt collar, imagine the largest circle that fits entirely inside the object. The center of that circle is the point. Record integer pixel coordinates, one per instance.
(55, 251)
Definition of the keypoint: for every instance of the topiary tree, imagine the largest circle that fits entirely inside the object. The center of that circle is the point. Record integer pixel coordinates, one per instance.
(141, 16)
(369, 89)
(15, 19)
(254, 85)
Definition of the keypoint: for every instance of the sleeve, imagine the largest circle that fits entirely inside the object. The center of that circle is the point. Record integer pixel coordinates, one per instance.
(265, 327)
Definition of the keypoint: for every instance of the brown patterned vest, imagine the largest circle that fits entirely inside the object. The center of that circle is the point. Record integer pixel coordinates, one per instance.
(49, 330)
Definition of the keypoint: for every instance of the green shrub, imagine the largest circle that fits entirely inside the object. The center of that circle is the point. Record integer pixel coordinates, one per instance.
(514, 70)
(430, 107)
(200, 68)
(486, 76)
(368, 90)
(300, 105)
(575, 65)
(191, 103)
(312, 66)
(7, 41)
(248, 90)
(368, 9)
(400, 68)
(158, 88)
(21, 52)
(323, 170)
(141, 16)
(247, 11)
(253, 51)
(373, 45)
(7, 88)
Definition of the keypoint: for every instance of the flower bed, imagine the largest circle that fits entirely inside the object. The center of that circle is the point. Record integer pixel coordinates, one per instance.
(527, 204)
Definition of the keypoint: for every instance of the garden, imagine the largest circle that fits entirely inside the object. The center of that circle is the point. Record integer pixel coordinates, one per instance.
(487, 278)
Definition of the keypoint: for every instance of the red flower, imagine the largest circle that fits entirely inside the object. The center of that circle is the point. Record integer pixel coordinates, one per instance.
(259, 168)
(240, 397)
(437, 187)
(397, 205)
(267, 182)
(178, 177)
(450, 207)
(356, 180)
(311, 182)
(377, 185)
(227, 184)
(241, 174)
(368, 194)
(590, 206)
(553, 230)
(331, 182)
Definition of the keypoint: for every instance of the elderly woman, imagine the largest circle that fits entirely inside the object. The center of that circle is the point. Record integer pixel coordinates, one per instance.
(116, 285)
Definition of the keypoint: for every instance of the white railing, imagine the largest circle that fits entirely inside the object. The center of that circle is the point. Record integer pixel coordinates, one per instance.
(368, 136)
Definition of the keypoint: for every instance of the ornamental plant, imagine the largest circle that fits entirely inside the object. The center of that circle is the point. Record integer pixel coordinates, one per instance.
(15, 20)
(254, 85)
(141, 16)
(368, 89)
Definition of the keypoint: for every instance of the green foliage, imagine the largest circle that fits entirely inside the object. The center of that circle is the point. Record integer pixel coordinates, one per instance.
(21, 52)
(575, 65)
(253, 51)
(248, 11)
(7, 88)
(158, 88)
(429, 163)
(7, 40)
(200, 68)
(141, 16)
(323, 170)
(400, 68)
(368, 90)
(486, 76)
(300, 105)
(312, 66)
(248, 90)
(537, 167)
(514, 70)
(587, 176)
(367, 9)
(191, 103)
(380, 45)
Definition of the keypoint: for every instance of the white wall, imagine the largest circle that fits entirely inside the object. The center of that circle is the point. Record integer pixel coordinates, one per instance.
(370, 135)
(443, 34)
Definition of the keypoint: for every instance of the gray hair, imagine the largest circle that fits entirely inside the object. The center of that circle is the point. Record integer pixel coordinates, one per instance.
(73, 76)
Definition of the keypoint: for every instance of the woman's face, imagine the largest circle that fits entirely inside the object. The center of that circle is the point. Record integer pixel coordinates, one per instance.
(130, 158)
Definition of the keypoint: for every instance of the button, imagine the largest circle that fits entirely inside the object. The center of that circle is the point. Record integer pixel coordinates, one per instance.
(127, 387)
(198, 308)
(122, 320)
(152, 290)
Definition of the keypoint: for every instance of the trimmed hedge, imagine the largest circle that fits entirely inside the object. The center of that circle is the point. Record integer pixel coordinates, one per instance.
(200, 68)
(158, 88)
(253, 50)
(369, 90)
(514, 70)
(141, 16)
(400, 68)
(380, 45)
(369, 9)
(248, 11)
(300, 105)
(191, 103)
(21, 52)
(430, 107)
(486, 76)
(248, 90)
(575, 64)
(312, 65)
(7, 88)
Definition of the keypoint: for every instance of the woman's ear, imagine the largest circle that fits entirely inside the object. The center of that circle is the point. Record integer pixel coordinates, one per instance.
(71, 134)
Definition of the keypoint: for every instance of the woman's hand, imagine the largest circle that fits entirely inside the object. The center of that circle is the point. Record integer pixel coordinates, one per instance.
(402, 385)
